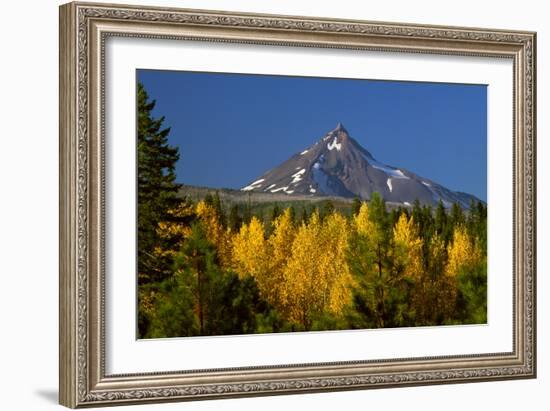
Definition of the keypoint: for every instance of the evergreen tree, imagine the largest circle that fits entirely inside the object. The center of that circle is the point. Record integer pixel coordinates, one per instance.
(440, 287)
(440, 223)
(247, 212)
(304, 216)
(218, 206)
(381, 283)
(477, 223)
(471, 306)
(157, 187)
(197, 263)
(209, 200)
(394, 214)
(355, 206)
(170, 312)
(418, 215)
(216, 302)
(457, 215)
(236, 307)
(234, 221)
(327, 209)
(275, 212)
(292, 212)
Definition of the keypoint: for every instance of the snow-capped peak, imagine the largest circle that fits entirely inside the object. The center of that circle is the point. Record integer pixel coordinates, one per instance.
(337, 165)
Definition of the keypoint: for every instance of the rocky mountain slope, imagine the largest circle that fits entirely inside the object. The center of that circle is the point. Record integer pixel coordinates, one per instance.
(337, 166)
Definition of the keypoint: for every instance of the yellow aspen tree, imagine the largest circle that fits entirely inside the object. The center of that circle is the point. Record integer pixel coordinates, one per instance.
(250, 255)
(408, 247)
(301, 273)
(279, 250)
(462, 252)
(337, 277)
(216, 234)
(362, 223)
(462, 256)
(317, 275)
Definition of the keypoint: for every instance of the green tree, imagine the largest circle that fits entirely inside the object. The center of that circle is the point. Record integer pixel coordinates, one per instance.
(235, 305)
(471, 307)
(247, 211)
(157, 187)
(222, 302)
(304, 216)
(220, 212)
(167, 310)
(196, 262)
(209, 199)
(382, 287)
(327, 208)
(456, 216)
(355, 206)
(477, 224)
(440, 222)
(234, 220)
(275, 212)
(292, 212)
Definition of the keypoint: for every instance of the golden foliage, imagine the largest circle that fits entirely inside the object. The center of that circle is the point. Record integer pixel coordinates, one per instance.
(408, 247)
(462, 252)
(304, 270)
(338, 279)
(249, 251)
(317, 274)
(362, 222)
(279, 244)
(220, 237)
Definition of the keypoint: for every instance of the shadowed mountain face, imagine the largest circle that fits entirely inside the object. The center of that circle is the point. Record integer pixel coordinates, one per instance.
(337, 165)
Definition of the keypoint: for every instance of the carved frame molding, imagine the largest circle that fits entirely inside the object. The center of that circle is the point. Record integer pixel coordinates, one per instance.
(84, 27)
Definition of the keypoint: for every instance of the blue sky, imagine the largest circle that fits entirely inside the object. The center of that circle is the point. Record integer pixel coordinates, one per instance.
(231, 128)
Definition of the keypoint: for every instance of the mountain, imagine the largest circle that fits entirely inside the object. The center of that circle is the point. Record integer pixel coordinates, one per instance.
(337, 165)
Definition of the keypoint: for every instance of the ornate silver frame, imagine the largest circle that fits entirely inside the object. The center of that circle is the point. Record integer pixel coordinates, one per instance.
(83, 30)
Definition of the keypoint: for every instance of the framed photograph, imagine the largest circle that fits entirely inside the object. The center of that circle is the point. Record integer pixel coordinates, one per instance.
(259, 204)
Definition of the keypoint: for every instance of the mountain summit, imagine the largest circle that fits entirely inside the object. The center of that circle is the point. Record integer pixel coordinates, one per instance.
(337, 165)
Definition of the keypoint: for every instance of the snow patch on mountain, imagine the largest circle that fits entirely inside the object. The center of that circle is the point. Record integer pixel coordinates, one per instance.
(334, 145)
(391, 171)
(297, 177)
(388, 182)
(395, 173)
(254, 185)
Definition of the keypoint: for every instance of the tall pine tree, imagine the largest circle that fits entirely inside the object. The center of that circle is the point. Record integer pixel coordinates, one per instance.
(157, 187)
